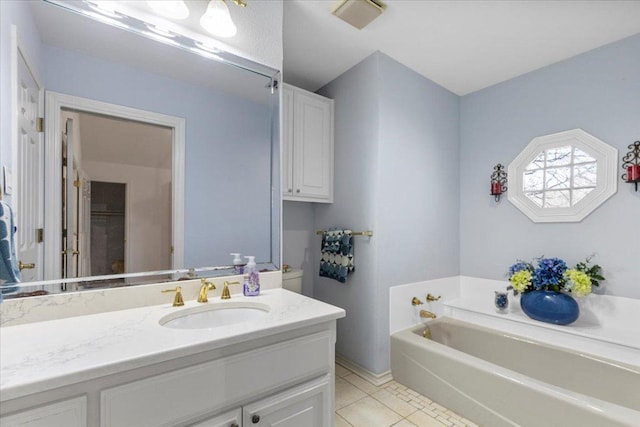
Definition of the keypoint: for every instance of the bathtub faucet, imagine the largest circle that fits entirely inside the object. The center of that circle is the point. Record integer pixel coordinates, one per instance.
(427, 314)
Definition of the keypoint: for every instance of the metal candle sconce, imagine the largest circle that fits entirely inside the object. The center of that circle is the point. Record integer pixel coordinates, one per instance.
(498, 181)
(631, 163)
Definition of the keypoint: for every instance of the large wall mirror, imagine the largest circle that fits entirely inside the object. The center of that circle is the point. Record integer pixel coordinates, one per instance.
(159, 154)
(563, 177)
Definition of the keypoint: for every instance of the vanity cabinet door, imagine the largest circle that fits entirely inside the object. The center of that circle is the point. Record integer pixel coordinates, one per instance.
(68, 413)
(306, 405)
(307, 167)
(228, 419)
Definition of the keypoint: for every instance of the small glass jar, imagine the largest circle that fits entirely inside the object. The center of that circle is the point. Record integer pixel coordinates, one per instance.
(501, 301)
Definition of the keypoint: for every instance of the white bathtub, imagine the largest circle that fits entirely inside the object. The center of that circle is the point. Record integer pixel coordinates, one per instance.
(497, 379)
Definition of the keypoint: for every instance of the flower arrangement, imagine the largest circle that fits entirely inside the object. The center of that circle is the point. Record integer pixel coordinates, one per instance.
(552, 274)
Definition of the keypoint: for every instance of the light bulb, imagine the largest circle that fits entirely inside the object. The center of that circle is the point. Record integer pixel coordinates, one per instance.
(217, 19)
(175, 9)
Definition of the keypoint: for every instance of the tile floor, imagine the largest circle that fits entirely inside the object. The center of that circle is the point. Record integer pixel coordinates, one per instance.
(362, 404)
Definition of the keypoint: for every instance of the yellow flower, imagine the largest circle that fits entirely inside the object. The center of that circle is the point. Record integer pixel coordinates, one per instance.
(521, 280)
(579, 282)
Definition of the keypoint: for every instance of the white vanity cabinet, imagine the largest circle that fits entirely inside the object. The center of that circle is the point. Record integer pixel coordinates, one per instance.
(307, 135)
(67, 413)
(228, 419)
(301, 406)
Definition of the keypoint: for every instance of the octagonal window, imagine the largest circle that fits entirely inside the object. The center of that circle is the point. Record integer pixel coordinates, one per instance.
(563, 177)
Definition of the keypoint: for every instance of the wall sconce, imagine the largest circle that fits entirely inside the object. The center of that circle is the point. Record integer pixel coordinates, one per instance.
(631, 163)
(498, 181)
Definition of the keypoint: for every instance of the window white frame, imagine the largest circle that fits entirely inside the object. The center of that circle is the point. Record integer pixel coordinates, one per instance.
(606, 158)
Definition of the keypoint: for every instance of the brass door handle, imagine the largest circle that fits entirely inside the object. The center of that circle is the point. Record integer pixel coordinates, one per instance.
(28, 266)
(75, 252)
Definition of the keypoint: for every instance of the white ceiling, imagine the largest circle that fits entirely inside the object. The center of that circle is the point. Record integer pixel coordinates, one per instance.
(114, 140)
(461, 45)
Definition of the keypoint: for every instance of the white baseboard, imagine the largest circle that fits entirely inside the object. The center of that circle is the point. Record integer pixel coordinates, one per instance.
(375, 379)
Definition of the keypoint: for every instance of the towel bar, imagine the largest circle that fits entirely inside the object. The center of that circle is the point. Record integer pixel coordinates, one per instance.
(367, 233)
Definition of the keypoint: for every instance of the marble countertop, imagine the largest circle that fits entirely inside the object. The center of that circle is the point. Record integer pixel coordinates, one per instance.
(40, 356)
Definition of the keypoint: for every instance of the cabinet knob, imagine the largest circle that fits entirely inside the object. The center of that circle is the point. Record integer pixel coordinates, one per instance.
(234, 425)
(255, 419)
(298, 190)
(290, 190)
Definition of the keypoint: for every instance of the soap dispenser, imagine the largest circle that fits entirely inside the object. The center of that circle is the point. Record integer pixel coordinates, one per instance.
(251, 285)
(238, 265)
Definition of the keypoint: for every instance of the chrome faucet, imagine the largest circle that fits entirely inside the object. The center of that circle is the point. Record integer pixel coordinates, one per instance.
(204, 288)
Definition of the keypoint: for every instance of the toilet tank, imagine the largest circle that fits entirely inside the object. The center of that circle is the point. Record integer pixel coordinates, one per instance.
(292, 280)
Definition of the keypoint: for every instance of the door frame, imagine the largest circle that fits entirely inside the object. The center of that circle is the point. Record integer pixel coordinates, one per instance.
(54, 103)
(18, 49)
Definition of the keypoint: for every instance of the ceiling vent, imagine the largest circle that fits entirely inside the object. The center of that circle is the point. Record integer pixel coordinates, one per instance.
(358, 13)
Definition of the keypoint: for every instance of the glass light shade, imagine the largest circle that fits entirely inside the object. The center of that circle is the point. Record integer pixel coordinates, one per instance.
(217, 19)
(175, 9)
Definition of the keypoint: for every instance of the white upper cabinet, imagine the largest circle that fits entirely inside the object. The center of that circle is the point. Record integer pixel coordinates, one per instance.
(307, 166)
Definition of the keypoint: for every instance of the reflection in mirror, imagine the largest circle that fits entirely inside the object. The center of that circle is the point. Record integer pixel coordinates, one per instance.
(113, 197)
(560, 177)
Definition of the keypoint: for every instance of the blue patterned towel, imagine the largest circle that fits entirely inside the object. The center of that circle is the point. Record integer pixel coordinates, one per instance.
(337, 254)
(9, 272)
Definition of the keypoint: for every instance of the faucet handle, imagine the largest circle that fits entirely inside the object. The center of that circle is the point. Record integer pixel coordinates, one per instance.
(432, 298)
(416, 301)
(177, 301)
(225, 290)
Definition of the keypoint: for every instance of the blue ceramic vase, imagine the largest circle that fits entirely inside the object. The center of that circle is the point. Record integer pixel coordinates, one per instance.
(550, 307)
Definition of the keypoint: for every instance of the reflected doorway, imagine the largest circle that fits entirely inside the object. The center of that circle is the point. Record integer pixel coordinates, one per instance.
(116, 201)
(107, 248)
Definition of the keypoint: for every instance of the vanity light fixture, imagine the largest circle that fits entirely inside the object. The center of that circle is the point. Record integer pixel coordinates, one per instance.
(174, 9)
(217, 19)
(631, 163)
(498, 181)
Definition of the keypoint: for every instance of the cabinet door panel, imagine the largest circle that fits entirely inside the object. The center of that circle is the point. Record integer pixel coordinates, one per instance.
(313, 146)
(307, 405)
(69, 413)
(287, 141)
(228, 419)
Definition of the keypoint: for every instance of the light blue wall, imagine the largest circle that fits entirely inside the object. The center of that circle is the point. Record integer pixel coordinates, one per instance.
(227, 147)
(418, 203)
(356, 94)
(14, 13)
(302, 241)
(396, 139)
(599, 92)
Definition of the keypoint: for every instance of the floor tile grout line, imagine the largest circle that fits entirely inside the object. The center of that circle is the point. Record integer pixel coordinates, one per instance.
(413, 395)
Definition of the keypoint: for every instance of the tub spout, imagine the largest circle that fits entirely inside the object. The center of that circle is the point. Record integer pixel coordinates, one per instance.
(427, 314)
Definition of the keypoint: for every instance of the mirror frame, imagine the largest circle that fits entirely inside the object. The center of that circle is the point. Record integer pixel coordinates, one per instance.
(606, 185)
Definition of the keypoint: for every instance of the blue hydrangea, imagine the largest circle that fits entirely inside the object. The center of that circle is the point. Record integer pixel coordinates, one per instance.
(519, 266)
(550, 272)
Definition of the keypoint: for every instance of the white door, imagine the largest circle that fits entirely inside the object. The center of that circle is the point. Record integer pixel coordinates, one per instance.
(70, 218)
(29, 191)
(84, 226)
(307, 405)
(313, 146)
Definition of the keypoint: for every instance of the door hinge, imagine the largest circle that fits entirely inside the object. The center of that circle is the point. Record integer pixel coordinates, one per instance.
(171, 248)
(40, 124)
(77, 183)
(40, 235)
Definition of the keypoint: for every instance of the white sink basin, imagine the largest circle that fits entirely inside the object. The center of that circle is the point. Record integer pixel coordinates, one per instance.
(217, 315)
